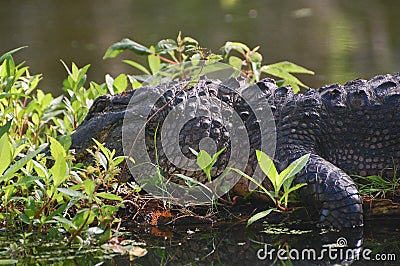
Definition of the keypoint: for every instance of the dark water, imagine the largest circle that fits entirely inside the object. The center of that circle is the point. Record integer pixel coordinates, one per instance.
(340, 40)
(378, 243)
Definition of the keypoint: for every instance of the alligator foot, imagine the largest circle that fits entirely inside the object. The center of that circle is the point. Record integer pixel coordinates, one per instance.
(334, 192)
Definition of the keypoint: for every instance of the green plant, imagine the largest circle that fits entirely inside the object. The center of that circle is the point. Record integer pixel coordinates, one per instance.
(376, 186)
(282, 180)
(39, 192)
(250, 63)
(205, 161)
(180, 59)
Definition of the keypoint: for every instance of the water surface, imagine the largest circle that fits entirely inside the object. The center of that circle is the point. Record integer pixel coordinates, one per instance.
(339, 40)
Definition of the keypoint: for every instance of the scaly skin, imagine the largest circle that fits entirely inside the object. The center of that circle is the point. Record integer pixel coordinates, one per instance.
(350, 129)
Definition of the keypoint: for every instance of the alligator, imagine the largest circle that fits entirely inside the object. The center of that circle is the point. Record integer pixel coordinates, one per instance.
(350, 129)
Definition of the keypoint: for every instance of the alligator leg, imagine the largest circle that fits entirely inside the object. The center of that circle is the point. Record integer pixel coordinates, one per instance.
(333, 191)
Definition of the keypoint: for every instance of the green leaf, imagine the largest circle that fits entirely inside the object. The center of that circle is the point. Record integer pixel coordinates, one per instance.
(268, 193)
(110, 83)
(203, 159)
(126, 44)
(236, 62)
(8, 261)
(137, 66)
(285, 195)
(6, 153)
(120, 83)
(56, 149)
(165, 46)
(190, 40)
(89, 186)
(254, 57)
(4, 129)
(66, 142)
(59, 171)
(11, 52)
(26, 181)
(66, 223)
(103, 156)
(40, 169)
(119, 159)
(193, 181)
(216, 155)
(20, 163)
(108, 196)
(236, 46)
(71, 192)
(154, 62)
(286, 176)
(9, 95)
(292, 68)
(258, 216)
(281, 73)
(106, 236)
(268, 167)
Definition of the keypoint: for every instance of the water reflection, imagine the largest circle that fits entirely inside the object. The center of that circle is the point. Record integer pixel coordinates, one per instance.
(340, 40)
(296, 243)
(233, 245)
